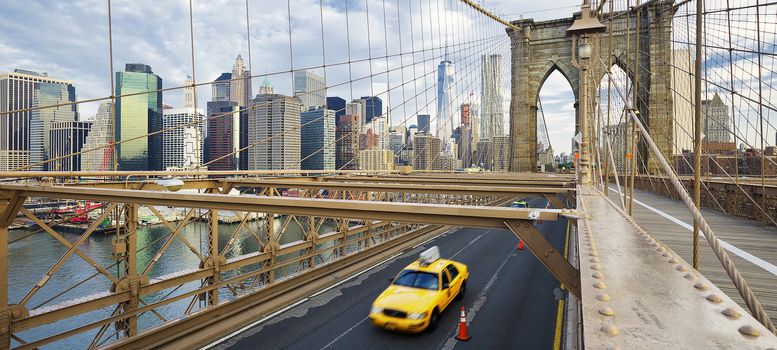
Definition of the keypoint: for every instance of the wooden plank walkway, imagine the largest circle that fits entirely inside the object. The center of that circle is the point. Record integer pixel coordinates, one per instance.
(750, 236)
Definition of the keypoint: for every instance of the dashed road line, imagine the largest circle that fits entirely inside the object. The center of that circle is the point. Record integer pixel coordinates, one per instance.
(478, 304)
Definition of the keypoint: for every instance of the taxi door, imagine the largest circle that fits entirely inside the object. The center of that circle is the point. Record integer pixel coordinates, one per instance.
(456, 279)
(450, 292)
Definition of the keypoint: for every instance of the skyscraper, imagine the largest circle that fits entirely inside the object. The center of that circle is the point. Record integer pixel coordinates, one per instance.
(357, 108)
(716, 122)
(180, 148)
(240, 86)
(446, 113)
(100, 135)
(66, 138)
(500, 153)
(310, 88)
(274, 133)
(47, 94)
(188, 93)
(25, 133)
(336, 104)
(347, 142)
(426, 150)
(223, 135)
(424, 123)
(373, 107)
(682, 101)
(380, 127)
(137, 116)
(491, 112)
(221, 88)
(318, 139)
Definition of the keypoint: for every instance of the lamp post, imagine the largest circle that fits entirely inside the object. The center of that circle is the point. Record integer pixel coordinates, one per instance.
(581, 28)
(584, 52)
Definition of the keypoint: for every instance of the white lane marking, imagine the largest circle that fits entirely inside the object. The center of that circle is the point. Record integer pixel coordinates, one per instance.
(470, 243)
(274, 314)
(364, 319)
(344, 333)
(477, 305)
(769, 267)
(241, 330)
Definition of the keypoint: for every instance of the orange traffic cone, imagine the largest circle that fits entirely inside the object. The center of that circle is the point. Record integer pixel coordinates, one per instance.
(520, 245)
(463, 333)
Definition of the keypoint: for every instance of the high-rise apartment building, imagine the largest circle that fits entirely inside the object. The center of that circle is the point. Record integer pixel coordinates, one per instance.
(618, 135)
(376, 160)
(347, 143)
(500, 153)
(137, 116)
(716, 122)
(220, 89)
(100, 140)
(483, 156)
(310, 88)
(24, 136)
(491, 112)
(66, 139)
(446, 113)
(240, 86)
(411, 131)
(426, 150)
(274, 132)
(397, 138)
(318, 139)
(465, 147)
(182, 140)
(223, 140)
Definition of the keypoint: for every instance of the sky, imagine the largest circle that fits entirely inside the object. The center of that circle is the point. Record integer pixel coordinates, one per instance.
(69, 40)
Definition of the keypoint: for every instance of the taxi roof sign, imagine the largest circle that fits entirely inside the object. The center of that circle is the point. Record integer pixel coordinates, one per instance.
(429, 256)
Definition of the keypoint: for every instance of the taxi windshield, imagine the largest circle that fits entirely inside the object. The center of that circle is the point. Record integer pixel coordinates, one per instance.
(417, 279)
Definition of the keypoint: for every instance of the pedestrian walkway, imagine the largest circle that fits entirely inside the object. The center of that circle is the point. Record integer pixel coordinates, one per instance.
(752, 245)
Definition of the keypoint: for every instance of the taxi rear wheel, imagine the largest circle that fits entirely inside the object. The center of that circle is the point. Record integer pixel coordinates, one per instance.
(433, 321)
(461, 291)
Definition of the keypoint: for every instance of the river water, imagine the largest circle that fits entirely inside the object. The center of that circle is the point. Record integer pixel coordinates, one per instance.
(32, 257)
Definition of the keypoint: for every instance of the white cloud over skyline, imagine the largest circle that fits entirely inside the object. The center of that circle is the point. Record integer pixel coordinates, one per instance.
(69, 40)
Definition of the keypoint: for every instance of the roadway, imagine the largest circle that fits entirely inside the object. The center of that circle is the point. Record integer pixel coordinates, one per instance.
(510, 302)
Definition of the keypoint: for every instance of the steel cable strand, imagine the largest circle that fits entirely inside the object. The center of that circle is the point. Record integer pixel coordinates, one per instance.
(736, 277)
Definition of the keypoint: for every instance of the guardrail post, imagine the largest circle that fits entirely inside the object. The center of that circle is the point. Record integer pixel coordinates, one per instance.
(130, 282)
(5, 316)
(10, 204)
(214, 257)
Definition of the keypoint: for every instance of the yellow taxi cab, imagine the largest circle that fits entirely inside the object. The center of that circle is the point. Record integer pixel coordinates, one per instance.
(419, 293)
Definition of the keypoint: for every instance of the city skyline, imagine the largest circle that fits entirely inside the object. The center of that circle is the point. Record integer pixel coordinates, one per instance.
(217, 43)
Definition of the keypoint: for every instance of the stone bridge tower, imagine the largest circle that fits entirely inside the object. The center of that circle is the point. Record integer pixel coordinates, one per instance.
(543, 47)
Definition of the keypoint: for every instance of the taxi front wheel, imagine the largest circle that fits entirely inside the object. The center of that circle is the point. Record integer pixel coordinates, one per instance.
(433, 321)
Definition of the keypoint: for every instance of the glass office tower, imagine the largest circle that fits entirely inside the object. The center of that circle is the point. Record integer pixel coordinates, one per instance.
(138, 115)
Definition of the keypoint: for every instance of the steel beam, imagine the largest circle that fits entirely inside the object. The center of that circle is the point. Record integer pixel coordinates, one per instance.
(198, 329)
(440, 188)
(434, 214)
(547, 254)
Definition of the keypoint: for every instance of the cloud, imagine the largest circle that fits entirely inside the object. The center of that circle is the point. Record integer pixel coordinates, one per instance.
(69, 40)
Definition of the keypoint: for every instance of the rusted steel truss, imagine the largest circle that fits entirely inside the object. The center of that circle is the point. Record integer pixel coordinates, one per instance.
(341, 224)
